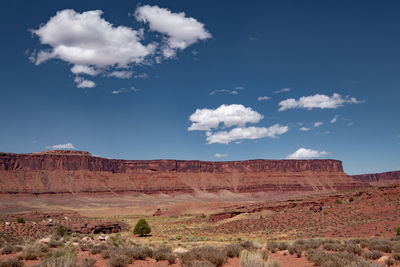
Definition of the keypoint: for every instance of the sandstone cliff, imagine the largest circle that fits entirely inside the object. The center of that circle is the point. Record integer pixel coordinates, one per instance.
(72, 172)
(384, 178)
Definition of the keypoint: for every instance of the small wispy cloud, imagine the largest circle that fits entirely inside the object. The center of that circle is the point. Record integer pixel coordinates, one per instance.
(305, 129)
(141, 76)
(84, 83)
(334, 119)
(124, 90)
(219, 155)
(252, 38)
(231, 92)
(62, 146)
(318, 123)
(283, 90)
(121, 74)
(263, 98)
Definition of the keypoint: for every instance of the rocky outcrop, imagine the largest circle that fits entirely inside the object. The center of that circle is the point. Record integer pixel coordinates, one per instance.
(96, 227)
(384, 178)
(77, 172)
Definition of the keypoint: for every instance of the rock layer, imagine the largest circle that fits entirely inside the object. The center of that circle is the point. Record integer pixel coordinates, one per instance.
(383, 178)
(71, 172)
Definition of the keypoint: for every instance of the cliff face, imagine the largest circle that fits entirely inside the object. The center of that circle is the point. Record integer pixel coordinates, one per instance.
(383, 178)
(80, 172)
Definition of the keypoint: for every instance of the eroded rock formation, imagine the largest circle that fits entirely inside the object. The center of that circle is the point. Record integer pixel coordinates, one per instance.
(77, 172)
(383, 178)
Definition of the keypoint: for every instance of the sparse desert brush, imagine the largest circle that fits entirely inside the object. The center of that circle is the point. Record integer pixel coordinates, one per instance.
(390, 261)
(163, 253)
(65, 252)
(233, 250)
(247, 245)
(197, 263)
(97, 249)
(119, 260)
(396, 256)
(398, 231)
(216, 256)
(383, 245)
(12, 263)
(65, 261)
(116, 241)
(272, 246)
(273, 264)
(352, 248)
(8, 249)
(85, 246)
(372, 255)
(251, 259)
(31, 252)
(337, 259)
(88, 262)
(63, 230)
(338, 201)
(139, 252)
(351, 199)
(55, 243)
(283, 245)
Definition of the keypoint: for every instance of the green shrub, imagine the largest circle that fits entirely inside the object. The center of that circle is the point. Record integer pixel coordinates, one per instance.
(55, 243)
(338, 201)
(398, 231)
(20, 220)
(63, 230)
(142, 228)
(351, 199)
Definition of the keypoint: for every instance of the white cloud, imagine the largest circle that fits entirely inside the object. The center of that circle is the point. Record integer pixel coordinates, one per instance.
(306, 153)
(225, 137)
(317, 101)
(305, 129)
(219, 155)
(350, 123)
(141, 76)
(239, 88)
(230, 115)
(318, 123)
(262, 98)
(334, 119)
(231, 92)
(181, 31)
(86, 39)
(81, 69)
(93, 45)
(121, 74)
(83, 83)
(124, 90)
(62, 146)
(283, 90)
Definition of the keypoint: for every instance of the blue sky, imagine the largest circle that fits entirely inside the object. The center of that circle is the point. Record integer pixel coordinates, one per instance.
(226, 80)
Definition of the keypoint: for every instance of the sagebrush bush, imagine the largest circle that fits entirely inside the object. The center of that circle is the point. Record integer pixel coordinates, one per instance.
(59, 262)
(12, 263)
(372, 255)
(97, 249)
(283, 246)
(381, 245)
(233, 250)
(118, 260)
(63, 230)
(20, 220)
(163, 253)
(139, 252)
(216, 256)
(88, 262)
(31, 252)
(247, 245)
(8, 249)
(251, 259)
(55, 243)
(272, 246)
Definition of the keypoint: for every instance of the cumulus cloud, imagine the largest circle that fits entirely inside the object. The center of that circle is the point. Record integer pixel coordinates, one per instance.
(305, 129)
(93, 45)
(181, 31)
(283, 90)
(240, 133)
(318, 123)
(334, 119)
(317, 101)
(86, 39)
(262, 98)
(219, 155)
(230, 115)
(306, 153)
(84, 83)
(62, 146)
